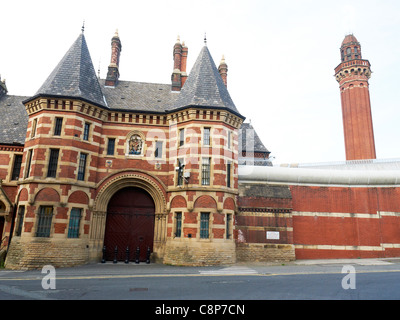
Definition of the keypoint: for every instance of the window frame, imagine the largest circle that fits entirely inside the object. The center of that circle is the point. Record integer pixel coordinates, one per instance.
(19, 224)
(179, 176)
(205, 171)
(229, 174)
(58, 123)
(204, 225)
(86, 131)
(229, 140)
(33, 130)
(14, 175)
(53, 163)
(82, 162)
(113, 146)
(28, 163)
(74, 224)
(158, 149)
(178, 224)
(181, 141)
(207, 137)
(44, 221)
(228, 226)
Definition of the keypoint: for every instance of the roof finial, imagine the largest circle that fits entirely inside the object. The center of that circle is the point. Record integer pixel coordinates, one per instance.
(83, 26)
(205, 38)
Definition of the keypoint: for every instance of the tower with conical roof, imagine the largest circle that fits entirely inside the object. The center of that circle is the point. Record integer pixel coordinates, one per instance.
(352, 75)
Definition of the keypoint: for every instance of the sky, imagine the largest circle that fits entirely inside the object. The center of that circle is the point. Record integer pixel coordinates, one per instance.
(281, 57)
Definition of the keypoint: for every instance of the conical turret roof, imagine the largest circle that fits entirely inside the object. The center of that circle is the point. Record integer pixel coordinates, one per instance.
(74, 76)
(204, 87)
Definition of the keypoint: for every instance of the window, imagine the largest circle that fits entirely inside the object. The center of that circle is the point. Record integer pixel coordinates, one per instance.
(180, 173)
(17, 167)
(204, 225)
(44, 221)
(158, 150)
(33, 132)
(28, 163)
(229, 140)
(228, 174)
(206, 137)
(355, 50)
(74, 222)
(53, 162)
(178, 224)
(21, 213)
(348, 52)
(111, 146)
(86, 131)
(58, 126)
(82, 166)
(228, 226)
(181, 137)
(205, 171)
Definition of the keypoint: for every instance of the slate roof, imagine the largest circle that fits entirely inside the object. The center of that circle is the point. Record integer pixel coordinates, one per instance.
(139, 96)
(245, 134)
(74, 76)
(13, 120)
(204, 87)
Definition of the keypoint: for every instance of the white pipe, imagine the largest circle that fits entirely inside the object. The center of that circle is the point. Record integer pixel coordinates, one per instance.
(302, 176)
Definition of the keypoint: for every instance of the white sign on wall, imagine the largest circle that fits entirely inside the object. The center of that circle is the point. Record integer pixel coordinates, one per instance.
(273, 235)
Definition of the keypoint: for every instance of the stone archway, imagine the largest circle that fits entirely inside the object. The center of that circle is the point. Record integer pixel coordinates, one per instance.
(111, 186)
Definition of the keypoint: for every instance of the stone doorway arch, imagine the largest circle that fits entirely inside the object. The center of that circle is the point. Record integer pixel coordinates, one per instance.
(107, 188)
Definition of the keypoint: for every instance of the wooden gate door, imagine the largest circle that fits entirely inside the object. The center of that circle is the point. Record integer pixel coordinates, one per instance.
(130, 223)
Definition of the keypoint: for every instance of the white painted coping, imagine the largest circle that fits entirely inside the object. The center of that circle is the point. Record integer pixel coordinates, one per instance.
(309, 176)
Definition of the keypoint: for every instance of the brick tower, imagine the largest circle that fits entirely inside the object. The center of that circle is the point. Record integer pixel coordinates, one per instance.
(352, 74)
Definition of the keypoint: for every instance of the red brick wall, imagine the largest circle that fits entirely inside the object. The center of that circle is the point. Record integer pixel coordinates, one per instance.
(345, 222)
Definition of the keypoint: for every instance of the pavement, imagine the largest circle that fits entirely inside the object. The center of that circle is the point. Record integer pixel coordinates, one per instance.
(121, 270)
(302, 279)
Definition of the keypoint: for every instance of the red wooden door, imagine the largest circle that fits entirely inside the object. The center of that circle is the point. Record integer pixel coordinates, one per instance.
(130, 223)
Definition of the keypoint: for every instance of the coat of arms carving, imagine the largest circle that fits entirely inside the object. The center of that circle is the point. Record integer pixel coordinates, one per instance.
(135, 144)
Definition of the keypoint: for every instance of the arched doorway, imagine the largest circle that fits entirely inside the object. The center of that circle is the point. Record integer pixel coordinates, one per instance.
(129, 223)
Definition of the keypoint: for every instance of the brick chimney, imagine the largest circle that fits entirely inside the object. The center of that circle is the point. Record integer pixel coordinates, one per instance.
(113, 68)
(223, 71)
(183, 64)
(176, 73)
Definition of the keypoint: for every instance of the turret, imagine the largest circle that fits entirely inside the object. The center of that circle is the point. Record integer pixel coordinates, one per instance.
(353, 74)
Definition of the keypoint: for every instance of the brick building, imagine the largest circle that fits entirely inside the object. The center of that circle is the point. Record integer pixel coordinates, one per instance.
(103, 168)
